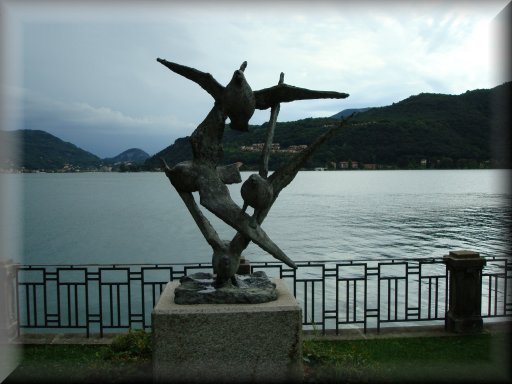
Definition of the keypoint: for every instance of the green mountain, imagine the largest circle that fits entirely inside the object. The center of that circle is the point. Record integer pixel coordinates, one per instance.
(348, 112)
(43, 151)
(427, 130)
(132, 155)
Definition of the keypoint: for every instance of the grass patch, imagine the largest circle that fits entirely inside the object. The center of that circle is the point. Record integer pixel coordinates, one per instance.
(126, 360)
(476, 358)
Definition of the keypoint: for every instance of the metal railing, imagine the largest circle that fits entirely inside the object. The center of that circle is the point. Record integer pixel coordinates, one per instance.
(333, 295)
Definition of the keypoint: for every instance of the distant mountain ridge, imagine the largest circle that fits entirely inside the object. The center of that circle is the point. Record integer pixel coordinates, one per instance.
(348, 112)
(428, 130)
(43, 151)
(435, 130)
(132, 155)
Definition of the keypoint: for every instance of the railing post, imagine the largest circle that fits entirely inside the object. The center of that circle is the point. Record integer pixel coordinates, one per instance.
(464, 313)
(245, 267)
(8, 312)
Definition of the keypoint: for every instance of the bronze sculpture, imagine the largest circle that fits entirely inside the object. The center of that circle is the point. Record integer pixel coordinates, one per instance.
(205, 175)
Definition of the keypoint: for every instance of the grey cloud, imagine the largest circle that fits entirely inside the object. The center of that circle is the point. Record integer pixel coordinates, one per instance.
(98, 79)
(101, 130)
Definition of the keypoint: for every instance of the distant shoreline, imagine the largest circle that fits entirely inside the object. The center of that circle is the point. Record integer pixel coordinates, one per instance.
(15, 171)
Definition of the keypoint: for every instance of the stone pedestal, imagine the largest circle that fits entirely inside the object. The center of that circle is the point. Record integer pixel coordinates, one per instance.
(465, 291)
(227, 342)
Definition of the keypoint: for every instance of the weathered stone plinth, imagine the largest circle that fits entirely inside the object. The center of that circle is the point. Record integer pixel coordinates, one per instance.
(465, 297)
(227, 342)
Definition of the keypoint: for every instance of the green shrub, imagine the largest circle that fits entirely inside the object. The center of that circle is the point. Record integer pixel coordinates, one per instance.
(131, 347)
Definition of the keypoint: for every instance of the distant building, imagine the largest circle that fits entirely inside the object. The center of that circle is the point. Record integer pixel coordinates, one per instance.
(276, 147)
(258, 147)
(295, 148)
(370, 166)
(354, 165)
(344, 164)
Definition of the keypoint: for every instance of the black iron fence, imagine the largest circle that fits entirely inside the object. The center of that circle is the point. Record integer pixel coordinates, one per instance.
(333, 295)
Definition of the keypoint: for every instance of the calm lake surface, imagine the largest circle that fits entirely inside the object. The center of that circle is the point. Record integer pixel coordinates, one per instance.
(139, 218)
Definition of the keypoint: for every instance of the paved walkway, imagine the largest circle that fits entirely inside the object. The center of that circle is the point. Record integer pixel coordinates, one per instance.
(407, 331)
(65, 338)
(350, 334)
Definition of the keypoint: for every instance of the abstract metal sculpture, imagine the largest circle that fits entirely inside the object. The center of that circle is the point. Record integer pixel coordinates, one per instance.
(205, 175)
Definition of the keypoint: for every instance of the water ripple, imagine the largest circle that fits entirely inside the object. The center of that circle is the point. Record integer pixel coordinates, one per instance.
(320, 216)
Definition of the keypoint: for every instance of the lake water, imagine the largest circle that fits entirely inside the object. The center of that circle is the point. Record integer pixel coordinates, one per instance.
(139, 218)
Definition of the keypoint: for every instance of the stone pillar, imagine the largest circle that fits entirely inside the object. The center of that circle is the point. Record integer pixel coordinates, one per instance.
(227, 343)
(464, 313)
(245, 267)
(8, 312)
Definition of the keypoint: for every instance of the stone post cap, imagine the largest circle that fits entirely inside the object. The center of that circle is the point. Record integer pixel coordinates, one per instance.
(464, 254)
(8, 269)
(464, 259)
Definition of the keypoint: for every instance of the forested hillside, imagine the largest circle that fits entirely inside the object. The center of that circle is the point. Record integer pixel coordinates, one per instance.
(426, 130)
(132, 155)
(471, 130)
(40, 150)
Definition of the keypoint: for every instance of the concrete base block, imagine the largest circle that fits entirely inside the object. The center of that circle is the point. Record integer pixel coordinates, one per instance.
(227, 342)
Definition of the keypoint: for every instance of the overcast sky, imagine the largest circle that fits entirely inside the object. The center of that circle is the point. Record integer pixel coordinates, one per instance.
(87, 71)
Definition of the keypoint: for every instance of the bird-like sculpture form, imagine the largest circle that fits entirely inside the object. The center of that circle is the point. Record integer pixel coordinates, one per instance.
(237, 98)
(258, 193)
(203, 174)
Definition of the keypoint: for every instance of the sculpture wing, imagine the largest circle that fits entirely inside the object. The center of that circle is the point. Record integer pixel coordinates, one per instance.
(286, 173)
(205, 80)
(215, 197)
(283, 93)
